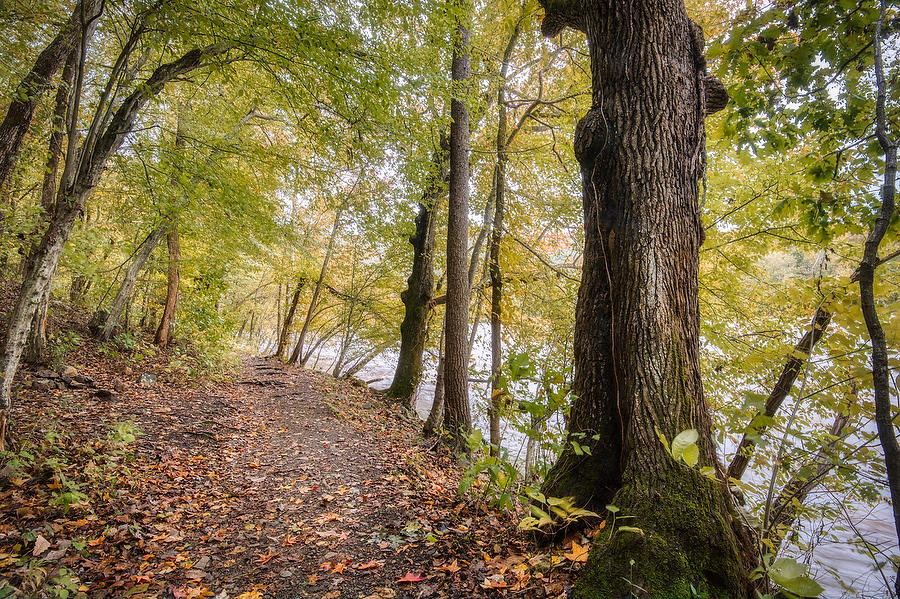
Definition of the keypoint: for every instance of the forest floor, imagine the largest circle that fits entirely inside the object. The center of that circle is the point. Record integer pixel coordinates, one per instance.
(279, 483)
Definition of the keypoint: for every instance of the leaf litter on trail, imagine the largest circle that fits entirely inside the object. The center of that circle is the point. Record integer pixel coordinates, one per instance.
(275, 464)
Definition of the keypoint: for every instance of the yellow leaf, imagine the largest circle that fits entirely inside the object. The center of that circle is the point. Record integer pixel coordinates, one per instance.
(579, 553)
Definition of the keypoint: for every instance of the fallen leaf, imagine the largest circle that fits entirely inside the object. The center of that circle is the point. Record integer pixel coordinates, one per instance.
(369, 566)
(494, 582)
(250, 595)
(40, 545)
(579, 553)
(410, 577)
(264, 558)
(452, 567)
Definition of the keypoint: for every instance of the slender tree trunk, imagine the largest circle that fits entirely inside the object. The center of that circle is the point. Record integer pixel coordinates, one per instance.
(436, 414)
(106, 322)
(36, 348)
(289, 319)
(363, 361)
(278, 316)
(420, 286)
(298, 349)
(795, 492)
(789, 373)
(637, 329)
(457, 417)
(881, 376)
(164, 331)
(497, 391)
(28, 93)
(78, 181)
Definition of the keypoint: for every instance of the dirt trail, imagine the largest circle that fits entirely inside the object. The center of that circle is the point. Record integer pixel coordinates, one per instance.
(285, 483)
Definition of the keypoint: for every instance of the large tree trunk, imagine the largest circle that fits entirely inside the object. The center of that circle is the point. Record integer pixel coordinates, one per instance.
(881, 375)
(298, 349)
(457, 417)
(420, 287)
(78, 181)
(164, 330)
(637, 363)
(28, 93)
(106, 322)
(783, 385)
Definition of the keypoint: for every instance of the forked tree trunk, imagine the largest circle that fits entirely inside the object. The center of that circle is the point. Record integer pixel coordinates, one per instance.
(457, 416)
(164, 331)
(108, 321)
(28, 93)
(288, 320)
(420, 287)
(36, 348)
(298, 349)
(637, 362)
(77, 184)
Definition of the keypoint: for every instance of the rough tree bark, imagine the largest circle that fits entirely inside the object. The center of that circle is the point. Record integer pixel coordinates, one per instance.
(637, 363)
(881, 376)
(28, 93)
(780, 391)
(457, 416)
(164, 331)
(420, 285)
(107, 321)
(78, 181)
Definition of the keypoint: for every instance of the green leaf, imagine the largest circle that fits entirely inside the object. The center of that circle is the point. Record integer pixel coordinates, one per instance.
(662, 439)
(690, 455)
(792, 577)
(681, 443)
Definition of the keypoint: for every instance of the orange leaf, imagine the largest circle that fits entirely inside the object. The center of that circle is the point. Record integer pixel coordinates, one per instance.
(410, 577)
(264, 558)
(579, 553)
(452, 567)
(339, 567)
(369, 566)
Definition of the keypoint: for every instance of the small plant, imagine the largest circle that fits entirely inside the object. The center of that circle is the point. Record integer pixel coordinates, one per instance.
(563, 508)
(123, 433)
(791, 576)
(60, 344)
(501, 473)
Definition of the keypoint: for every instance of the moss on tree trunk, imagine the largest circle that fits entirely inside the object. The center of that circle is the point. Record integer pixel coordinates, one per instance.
(682, 518)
